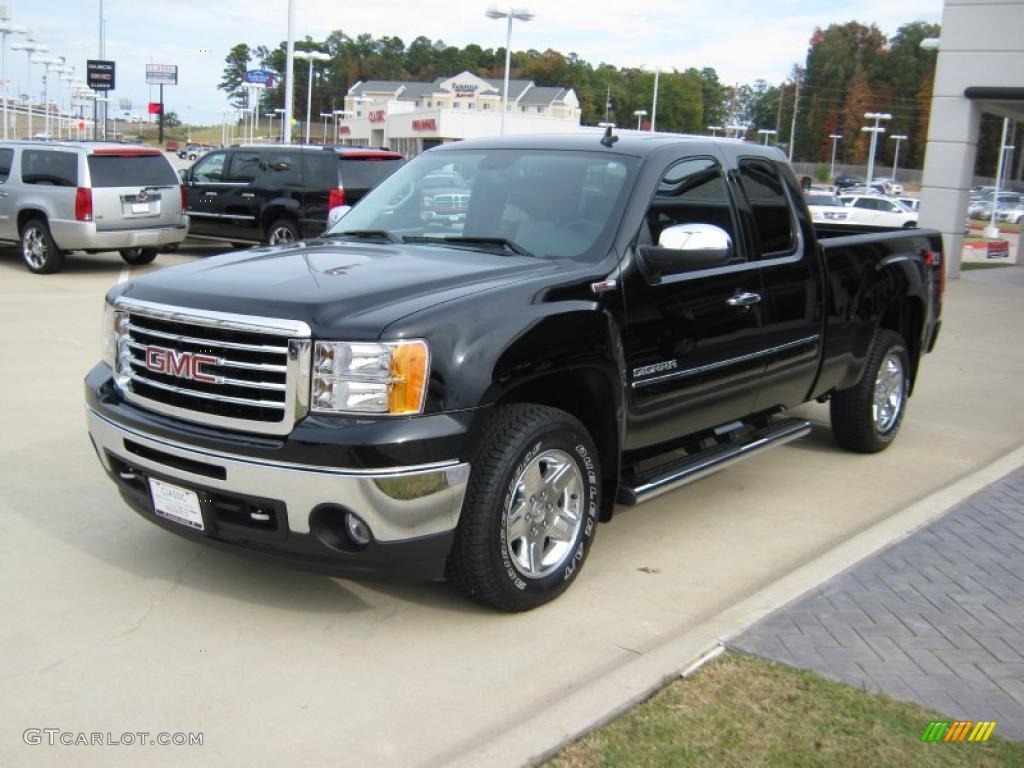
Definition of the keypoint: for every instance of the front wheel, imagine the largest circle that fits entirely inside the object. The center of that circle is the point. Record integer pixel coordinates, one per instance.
(867, 416)
(530, 511)
(136, 257)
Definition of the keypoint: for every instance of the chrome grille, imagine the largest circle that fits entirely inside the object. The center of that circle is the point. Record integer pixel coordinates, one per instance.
(238, 371)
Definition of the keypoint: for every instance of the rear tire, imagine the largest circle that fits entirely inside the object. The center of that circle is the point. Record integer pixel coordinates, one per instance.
(530, 511)
(282, 232)
(867, 416)
(38, 250)
(137, 257)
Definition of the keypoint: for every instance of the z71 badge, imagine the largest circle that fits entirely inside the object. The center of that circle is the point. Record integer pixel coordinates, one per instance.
(647, 370)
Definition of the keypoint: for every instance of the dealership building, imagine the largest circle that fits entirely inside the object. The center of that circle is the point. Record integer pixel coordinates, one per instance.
(410, 117)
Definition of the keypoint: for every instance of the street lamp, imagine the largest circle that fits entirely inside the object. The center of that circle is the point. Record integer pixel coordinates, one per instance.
(30, 46)
(896, 157)
(52, 64)
(714, 130)
(640, 114)
(310, 56)
(326, 116)
(832, 169)
(654, 106)
(224, 126)
(992, 231)
(278, 111)
(6, 28)
(874, 131)
(522, 14)
(766, 132)
(338, 113)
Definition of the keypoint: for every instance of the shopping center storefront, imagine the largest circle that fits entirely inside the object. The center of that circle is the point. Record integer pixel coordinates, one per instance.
(412, 117)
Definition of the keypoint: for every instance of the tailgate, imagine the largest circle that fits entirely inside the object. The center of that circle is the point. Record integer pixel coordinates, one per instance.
(133, 190)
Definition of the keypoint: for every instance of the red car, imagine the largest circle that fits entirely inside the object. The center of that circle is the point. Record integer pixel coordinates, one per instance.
(173, 146)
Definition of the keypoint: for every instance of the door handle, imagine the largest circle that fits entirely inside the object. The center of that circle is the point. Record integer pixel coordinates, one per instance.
(248, 194)
(210, 193)
(744, 299)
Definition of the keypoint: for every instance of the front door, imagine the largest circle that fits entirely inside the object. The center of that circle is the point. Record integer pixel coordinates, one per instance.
(692, 341)
(206, 185)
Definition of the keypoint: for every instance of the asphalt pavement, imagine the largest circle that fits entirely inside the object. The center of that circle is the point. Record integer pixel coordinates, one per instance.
(111, 625)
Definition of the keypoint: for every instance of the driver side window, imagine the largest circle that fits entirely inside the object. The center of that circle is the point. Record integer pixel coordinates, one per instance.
(692, 191)
(209, 168)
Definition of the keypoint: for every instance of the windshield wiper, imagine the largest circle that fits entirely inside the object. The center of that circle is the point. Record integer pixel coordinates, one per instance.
(499, 242)
(367, 234)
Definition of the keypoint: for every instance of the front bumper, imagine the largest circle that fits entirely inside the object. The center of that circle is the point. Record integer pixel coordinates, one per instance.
(83, 236)
(293, 513)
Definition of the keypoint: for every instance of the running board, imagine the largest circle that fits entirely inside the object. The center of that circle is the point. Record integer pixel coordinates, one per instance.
(675, 474)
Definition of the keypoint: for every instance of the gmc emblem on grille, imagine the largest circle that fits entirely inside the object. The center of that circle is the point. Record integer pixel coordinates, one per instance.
(184, 365)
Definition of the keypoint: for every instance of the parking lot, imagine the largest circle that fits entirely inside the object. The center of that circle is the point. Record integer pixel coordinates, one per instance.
(114, 625)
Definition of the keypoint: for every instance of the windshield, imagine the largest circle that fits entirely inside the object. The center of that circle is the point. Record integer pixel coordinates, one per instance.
(131, 171)
(549, 204)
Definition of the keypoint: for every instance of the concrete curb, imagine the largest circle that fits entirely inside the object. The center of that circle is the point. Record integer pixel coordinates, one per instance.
(605, 698)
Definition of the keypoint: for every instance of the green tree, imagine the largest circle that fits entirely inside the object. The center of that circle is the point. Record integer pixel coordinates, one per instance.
(237, 64)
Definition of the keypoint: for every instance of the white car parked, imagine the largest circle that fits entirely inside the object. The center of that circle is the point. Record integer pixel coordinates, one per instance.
(876, 211)
(826, 207)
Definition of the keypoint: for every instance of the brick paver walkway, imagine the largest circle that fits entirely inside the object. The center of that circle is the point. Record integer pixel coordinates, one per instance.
(937, 618)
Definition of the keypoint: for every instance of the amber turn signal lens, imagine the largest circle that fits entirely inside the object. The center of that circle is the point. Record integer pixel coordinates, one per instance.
(410, 369)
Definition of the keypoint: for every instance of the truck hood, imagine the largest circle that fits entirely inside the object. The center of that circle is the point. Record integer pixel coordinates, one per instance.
(335, 286)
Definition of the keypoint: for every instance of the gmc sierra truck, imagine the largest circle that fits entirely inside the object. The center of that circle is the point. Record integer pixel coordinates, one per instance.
(467, 397)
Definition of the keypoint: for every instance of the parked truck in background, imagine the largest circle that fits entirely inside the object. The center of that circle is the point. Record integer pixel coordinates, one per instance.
(611, 319)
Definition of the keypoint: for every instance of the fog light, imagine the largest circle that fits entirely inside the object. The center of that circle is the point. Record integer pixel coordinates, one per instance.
(358, 531)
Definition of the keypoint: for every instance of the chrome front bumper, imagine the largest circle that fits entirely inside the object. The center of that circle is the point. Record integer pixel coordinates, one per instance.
(397, 503)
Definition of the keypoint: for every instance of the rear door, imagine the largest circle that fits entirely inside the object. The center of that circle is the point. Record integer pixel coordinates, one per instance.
(8, 225)
(241, 197)
(133, 188)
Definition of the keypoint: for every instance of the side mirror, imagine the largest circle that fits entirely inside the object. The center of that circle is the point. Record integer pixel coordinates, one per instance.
(184, 175)
(336, 214)
(685, 248)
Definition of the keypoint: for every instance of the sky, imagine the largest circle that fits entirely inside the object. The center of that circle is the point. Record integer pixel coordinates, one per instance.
(743, 40)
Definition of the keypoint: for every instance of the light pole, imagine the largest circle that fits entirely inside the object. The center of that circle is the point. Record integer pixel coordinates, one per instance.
(52, 64)
(224, 126)
(714, 130)
(338, 113)
(66, 74)
(6, 28)
(874, 130)
(654, 106)
(832, 169)
(766, 132)
(992, 231)
(30, 46)
(640, 114)
(310, 56)
(279, 112)
(522, 14)
(289, 74)
(323, 136)
(896, 157)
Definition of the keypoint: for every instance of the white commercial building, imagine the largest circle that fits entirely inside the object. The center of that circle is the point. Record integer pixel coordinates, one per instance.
(410, 117)
(980, 69)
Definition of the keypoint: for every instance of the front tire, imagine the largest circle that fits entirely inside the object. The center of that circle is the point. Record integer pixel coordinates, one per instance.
(530, 512)
(38, 250)
(137, 257)
(867, 416)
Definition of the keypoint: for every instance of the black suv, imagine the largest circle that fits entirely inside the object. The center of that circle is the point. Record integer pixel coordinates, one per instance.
(278, 194)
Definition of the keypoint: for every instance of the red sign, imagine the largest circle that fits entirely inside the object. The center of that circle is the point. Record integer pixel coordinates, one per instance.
(344, 130)
(154, 107)
(429, 124)
(377, 116)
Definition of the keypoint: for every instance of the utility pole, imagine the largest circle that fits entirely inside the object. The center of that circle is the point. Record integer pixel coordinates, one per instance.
(874, 131)
(792, 126)
(607, 102)
(778, 117)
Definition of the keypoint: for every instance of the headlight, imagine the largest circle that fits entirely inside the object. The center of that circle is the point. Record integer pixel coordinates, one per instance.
(115, 342)
(364, 377)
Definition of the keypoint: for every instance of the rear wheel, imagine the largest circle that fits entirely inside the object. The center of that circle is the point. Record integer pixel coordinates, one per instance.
(867, 416)
(136, 257)
(40, 254)
(530, 511)
(282, 232)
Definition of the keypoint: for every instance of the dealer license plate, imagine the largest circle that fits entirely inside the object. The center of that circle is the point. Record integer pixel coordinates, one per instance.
(140, 207)
(178, 504)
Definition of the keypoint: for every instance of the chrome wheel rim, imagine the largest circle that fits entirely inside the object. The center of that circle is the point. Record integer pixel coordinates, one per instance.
(545, 514)
(34, 248)
(889, 388)
(279, 235)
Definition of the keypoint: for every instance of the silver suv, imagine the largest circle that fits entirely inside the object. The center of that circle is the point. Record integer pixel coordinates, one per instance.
(66, 196)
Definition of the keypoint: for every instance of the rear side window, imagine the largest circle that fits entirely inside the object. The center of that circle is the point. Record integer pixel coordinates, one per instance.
(244, 166)
(131, 171)
(6, 156)
(367, 172)
(319, 170)
(281, 169)
(773, 219)
(48, 167)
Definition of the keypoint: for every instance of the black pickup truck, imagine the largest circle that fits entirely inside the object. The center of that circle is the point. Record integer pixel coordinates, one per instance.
(466, 397)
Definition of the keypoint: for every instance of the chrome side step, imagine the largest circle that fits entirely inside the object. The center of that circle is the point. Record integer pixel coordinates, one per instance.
(674, 474)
